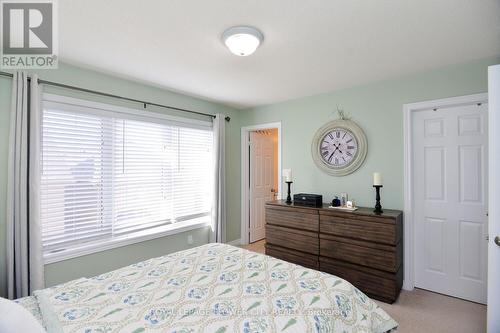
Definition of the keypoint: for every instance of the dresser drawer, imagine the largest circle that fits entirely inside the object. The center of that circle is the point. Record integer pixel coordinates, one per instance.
(293, 218)
(384, 233)
(376, 284)
(300, 240)
(384, 257)
(296, 257)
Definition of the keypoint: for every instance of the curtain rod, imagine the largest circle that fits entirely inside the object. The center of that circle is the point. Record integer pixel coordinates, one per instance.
(61, 85)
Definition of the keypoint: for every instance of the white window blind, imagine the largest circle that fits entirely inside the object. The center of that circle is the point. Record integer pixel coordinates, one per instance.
(108, 174)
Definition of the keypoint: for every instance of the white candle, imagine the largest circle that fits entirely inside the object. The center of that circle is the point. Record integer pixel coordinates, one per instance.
(377, 178)
(287, 174)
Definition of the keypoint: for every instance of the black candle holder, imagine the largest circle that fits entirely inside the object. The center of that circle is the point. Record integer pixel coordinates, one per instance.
(289, 197)
(378, 206)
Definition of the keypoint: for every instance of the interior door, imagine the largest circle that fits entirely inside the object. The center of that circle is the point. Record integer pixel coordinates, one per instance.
(450, 200)
(261, 182)
(494, 181)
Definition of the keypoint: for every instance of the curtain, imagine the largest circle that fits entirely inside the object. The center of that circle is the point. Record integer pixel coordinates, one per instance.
(218, 234)
(24, 248)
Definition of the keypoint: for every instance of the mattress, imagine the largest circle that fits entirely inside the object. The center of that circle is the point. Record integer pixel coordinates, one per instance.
(212, 288)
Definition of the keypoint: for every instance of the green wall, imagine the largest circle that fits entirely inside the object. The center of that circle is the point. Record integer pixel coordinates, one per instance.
(97, 263)
(378, 109)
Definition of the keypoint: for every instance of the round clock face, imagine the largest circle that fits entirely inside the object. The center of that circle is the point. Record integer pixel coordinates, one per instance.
(338, 147)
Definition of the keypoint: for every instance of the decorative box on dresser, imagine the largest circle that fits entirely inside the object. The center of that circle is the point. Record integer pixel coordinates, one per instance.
(361, 247)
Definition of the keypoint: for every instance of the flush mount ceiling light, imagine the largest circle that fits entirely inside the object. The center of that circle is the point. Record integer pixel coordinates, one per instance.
(242, 41)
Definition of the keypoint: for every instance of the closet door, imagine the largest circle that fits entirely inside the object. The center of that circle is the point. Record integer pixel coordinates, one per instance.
(450, 160)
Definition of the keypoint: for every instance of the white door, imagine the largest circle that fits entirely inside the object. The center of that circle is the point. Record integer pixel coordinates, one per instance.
(450, 147)
(261, 182)
(494, 181)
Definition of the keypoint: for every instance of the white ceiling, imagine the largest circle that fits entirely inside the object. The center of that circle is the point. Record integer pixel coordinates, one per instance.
(310, 46)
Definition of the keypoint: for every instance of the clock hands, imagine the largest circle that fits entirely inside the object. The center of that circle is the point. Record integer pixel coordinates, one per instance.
(337, 148)
(330, 156)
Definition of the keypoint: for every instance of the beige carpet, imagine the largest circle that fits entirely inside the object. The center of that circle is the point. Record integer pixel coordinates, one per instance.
(427, 312)
(424, 311)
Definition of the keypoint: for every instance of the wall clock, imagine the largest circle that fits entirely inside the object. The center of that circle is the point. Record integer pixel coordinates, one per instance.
(339, 147)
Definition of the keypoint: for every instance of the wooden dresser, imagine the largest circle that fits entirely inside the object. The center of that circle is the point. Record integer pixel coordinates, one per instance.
(361, 247)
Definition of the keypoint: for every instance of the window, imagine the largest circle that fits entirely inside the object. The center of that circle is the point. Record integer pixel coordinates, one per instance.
(110, 173)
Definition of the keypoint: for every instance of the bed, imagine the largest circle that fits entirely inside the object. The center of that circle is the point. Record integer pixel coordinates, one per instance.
(212, 288)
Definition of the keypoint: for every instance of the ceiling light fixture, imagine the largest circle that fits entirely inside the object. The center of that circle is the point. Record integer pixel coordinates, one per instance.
(242, 41)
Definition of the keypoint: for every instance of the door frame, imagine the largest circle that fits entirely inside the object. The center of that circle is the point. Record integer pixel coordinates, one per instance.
(245, 181)
(409, 226)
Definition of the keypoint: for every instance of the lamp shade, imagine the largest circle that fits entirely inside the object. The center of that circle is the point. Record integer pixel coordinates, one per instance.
(242, 41)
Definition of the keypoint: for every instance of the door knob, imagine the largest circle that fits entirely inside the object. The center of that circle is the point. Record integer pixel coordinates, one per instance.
(497, 241)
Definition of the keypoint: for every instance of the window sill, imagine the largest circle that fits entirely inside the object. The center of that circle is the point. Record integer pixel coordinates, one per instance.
(138, 237)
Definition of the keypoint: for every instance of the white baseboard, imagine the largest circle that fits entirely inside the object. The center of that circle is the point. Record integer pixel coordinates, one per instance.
(407, 286)
(235, 242)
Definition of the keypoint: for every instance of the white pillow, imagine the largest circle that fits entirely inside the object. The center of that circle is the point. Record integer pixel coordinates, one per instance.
(15, 319)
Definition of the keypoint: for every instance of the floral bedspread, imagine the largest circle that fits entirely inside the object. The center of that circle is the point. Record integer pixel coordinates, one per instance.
(212, 288)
